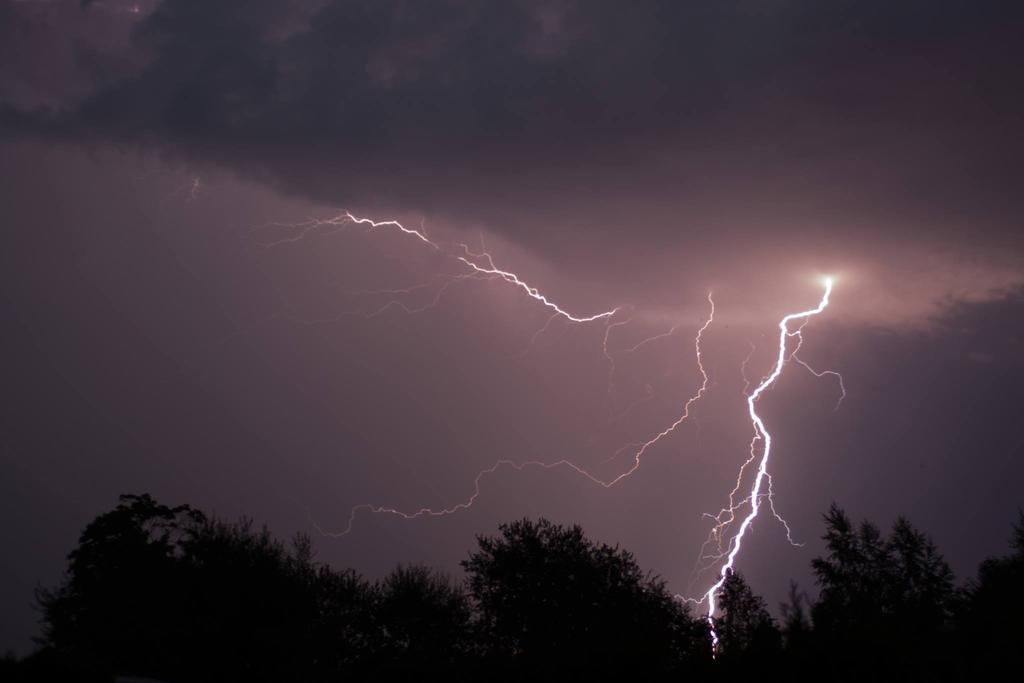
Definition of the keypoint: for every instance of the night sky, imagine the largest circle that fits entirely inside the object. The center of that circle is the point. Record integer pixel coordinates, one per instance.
(176, 322)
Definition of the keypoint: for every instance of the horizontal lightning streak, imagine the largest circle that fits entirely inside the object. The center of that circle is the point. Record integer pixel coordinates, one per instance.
(467, 258)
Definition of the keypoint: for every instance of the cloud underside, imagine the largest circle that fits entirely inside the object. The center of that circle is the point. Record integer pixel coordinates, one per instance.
(795, 126)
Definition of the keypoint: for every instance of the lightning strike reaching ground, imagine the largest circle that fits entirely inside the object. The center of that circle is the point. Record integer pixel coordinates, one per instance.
(761, 433)
(481, 266)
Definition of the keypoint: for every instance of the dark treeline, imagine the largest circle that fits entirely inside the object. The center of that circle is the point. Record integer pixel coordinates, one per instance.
(170, 594)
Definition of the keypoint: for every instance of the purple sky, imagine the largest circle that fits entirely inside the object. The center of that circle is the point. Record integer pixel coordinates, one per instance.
(164, 335)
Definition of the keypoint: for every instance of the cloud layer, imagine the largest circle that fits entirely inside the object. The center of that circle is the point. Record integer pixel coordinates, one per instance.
(648, 124)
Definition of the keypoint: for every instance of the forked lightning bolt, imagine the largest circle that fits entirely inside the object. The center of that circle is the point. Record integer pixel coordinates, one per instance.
(761, 434)
(481, 265)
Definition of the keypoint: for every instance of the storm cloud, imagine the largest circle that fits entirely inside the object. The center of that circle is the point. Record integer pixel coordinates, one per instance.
(613, 154)
(646, 124)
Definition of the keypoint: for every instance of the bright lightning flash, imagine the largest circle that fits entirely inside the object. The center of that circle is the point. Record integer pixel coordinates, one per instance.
(761, 433)
(481, 266)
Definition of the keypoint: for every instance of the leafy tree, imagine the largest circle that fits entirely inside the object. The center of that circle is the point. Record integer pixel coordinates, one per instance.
(168, 593)
(798, 654)
(924, 590)
(748, 635)
(550, 600)
(796, 625)
(426, 620)
(991, 619)
(249, 603)
(344, 633)
(121, 606)
(891, 597)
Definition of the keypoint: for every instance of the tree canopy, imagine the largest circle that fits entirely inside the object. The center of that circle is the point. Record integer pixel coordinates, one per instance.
(170, 594)
(892, 596)
(549, 599)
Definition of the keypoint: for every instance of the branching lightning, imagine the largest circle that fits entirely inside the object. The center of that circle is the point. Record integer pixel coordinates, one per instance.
(761, 434)
(532, 292)
(719, 547)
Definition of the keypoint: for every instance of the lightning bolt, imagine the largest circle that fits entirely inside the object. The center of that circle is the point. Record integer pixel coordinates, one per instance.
(761, 433)
(481, 266)
(339, 223)
(532, 292)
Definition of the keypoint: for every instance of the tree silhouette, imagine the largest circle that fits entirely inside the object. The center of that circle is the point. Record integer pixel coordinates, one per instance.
(798, 637)
(748, 635)
(426, 618)
(892, 597)
(122, 605)
(795, 623)
(552, 601)
(167, 593)
(991, 621)
(250, 603)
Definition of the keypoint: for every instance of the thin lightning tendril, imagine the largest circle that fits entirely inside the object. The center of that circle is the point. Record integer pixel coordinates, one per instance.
(825, 373)
(563, 463)
(743, 367)
(532, 292)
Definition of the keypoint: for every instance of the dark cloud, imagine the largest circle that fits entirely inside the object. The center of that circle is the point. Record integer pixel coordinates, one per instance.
(57, 53)
(729, 117)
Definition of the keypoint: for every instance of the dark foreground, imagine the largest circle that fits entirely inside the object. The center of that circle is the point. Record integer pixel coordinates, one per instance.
(170, 594)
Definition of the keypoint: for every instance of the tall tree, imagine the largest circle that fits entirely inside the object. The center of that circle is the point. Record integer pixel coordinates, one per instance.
(167, 593)
(122, 603)
(991, 622)
(426, 621)
(885, 600)
(551, 600)
(747, 632)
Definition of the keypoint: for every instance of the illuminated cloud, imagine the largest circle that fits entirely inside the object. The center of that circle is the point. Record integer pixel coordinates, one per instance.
(614, 136)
